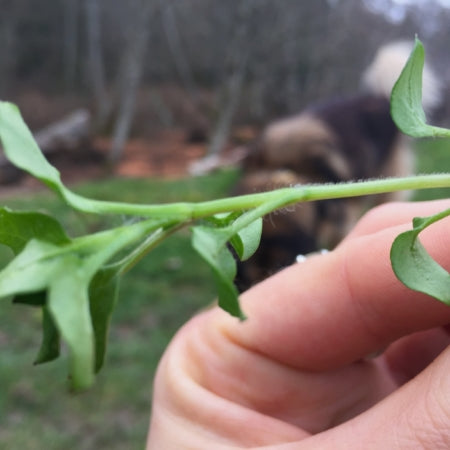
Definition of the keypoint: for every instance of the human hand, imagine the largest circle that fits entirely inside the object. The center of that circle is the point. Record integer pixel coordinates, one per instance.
(297, 374)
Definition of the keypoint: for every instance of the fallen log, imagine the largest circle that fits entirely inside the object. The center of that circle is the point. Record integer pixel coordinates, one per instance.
(214, 162)
(69, 133)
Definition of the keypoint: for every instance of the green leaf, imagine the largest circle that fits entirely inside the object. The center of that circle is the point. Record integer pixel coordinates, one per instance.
(22, 150)
(222, 220)
(247, 240)
(18, 227)
(32, 269)
(59, 270)
(414, 267)
(210, 243)
(243, 232)
(68, 303)
(50, 345)
(406, 98)
(103, 292)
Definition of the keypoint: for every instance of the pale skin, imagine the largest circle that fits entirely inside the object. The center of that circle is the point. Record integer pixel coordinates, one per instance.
(301, 372)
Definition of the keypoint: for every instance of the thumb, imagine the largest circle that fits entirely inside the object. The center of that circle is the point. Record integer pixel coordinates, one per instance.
(416, 416)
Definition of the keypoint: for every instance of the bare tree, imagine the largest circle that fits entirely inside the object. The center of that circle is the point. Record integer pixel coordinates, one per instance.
(239, 56)
(172, 34)
(130, 76)
(8, 38)
(249, 60)
(70, 41)
(96, 70)
(232, 98)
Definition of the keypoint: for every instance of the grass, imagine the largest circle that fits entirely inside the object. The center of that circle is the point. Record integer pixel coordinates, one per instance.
(433, 156)
(156, 298)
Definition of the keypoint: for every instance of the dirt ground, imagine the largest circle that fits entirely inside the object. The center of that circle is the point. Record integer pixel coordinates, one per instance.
(166, 155)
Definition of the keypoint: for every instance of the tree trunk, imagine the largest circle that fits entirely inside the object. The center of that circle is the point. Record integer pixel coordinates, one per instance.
(131, 72)
(70, 42)
(175, 47)
(223, 125)
(96, 71)
(240, 53)
(8, 39)
(71, 132)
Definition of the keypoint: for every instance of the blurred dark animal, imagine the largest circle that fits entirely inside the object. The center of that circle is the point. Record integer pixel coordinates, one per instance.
(338, 140)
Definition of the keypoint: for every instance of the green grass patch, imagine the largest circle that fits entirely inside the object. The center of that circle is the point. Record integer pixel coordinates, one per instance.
(433, 156)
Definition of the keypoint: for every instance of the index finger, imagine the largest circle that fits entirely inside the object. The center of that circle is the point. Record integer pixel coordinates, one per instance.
(336, 308)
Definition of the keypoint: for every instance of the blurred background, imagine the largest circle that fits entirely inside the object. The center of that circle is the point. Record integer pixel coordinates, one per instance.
(123, 97)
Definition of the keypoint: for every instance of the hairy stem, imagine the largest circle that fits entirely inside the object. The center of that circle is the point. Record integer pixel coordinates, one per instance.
(184, 211)
(129, 261)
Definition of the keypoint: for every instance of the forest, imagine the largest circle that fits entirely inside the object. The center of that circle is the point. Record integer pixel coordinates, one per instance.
(206, 66)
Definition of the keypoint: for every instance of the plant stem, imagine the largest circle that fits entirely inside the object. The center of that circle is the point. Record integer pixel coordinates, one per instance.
(306, 193)
(184, 211)
(159, 235)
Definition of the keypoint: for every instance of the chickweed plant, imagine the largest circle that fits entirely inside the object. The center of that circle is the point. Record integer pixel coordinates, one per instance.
(74, 281)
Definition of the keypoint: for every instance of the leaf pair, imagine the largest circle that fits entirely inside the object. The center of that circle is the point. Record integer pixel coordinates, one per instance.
(243, 232)
(211, 243)
(410, 261)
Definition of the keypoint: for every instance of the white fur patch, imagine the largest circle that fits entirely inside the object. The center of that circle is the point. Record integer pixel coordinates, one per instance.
(386, 67)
